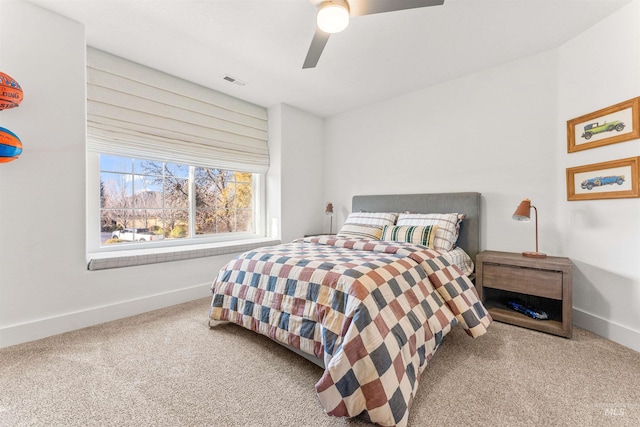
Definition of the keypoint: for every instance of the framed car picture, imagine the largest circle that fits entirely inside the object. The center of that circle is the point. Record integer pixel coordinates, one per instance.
(618, 123)
(607, 180)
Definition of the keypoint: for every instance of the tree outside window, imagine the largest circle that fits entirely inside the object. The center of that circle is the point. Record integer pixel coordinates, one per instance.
(162, 198)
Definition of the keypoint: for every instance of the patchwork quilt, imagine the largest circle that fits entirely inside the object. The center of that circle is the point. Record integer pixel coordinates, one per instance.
(374, 311)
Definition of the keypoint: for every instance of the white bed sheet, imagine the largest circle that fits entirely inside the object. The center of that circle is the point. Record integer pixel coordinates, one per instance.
(459, 257)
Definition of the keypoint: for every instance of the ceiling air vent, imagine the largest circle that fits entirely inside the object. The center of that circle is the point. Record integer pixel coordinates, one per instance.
(234, 80)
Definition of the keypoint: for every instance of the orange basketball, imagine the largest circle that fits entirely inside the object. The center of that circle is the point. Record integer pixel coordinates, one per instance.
(10, 146)
(10, 92)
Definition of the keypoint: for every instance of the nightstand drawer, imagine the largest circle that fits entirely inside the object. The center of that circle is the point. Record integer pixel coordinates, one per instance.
(530, 281)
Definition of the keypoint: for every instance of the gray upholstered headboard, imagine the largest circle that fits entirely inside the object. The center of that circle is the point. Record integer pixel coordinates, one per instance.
(467, 203)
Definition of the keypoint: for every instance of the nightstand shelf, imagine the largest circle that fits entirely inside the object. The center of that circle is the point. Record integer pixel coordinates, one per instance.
(544, 283)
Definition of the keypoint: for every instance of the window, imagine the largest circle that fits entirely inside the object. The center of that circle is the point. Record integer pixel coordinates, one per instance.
(149, 201)
(175, 170)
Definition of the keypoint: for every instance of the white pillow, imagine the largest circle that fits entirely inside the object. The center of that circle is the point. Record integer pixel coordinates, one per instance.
(366, 225)
(459, 257)
(446, 233)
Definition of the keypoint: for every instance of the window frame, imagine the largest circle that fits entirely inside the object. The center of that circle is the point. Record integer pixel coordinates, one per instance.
(94, 247)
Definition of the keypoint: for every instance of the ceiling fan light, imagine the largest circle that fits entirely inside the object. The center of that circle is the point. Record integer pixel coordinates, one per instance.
(332, 17)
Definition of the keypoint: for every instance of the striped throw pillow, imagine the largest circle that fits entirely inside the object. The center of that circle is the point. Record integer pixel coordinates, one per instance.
(447, 232)
(366, 225)
(411, 234)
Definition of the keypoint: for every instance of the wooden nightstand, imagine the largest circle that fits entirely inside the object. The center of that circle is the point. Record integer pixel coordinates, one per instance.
(544, 283)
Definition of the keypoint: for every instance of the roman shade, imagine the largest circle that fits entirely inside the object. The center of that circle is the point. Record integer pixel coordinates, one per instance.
(136, 111)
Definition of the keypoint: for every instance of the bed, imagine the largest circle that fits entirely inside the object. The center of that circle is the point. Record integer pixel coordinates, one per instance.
(370, 305)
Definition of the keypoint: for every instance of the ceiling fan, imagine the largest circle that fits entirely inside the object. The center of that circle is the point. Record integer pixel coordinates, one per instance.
(333, 17)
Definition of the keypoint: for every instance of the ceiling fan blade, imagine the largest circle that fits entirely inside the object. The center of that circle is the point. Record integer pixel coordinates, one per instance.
(369, 7)
(320, 39)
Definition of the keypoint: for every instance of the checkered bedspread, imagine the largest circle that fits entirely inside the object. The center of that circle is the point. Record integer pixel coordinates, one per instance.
(374, 311)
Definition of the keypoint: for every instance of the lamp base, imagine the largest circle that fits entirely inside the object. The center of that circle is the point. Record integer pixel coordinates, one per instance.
(534, 254)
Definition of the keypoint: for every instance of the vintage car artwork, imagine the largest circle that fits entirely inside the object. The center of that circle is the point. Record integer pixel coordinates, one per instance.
(588, 184)
(595, 128)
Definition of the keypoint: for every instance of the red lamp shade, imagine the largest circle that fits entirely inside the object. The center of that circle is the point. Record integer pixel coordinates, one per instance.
(523, 211)
(329, 208)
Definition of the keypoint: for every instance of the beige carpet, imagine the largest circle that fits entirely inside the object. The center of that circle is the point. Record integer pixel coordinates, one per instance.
(167, 368)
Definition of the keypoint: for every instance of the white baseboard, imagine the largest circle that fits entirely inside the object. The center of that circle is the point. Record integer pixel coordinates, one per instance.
(42, 328)
(607, 329)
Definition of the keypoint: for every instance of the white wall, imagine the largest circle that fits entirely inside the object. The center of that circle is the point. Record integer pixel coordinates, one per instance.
(491, 132)
(602, 237)
(45, 287)
(294, 181)
(502, 132)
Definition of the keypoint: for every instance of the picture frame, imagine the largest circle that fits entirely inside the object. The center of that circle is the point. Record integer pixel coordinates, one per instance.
(617, 123)
(614, 179)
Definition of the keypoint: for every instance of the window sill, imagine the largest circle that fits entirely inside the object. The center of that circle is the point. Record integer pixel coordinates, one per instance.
(130, 258)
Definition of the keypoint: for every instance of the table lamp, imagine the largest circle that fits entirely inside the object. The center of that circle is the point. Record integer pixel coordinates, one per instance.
(328, 210)
(523, 213)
